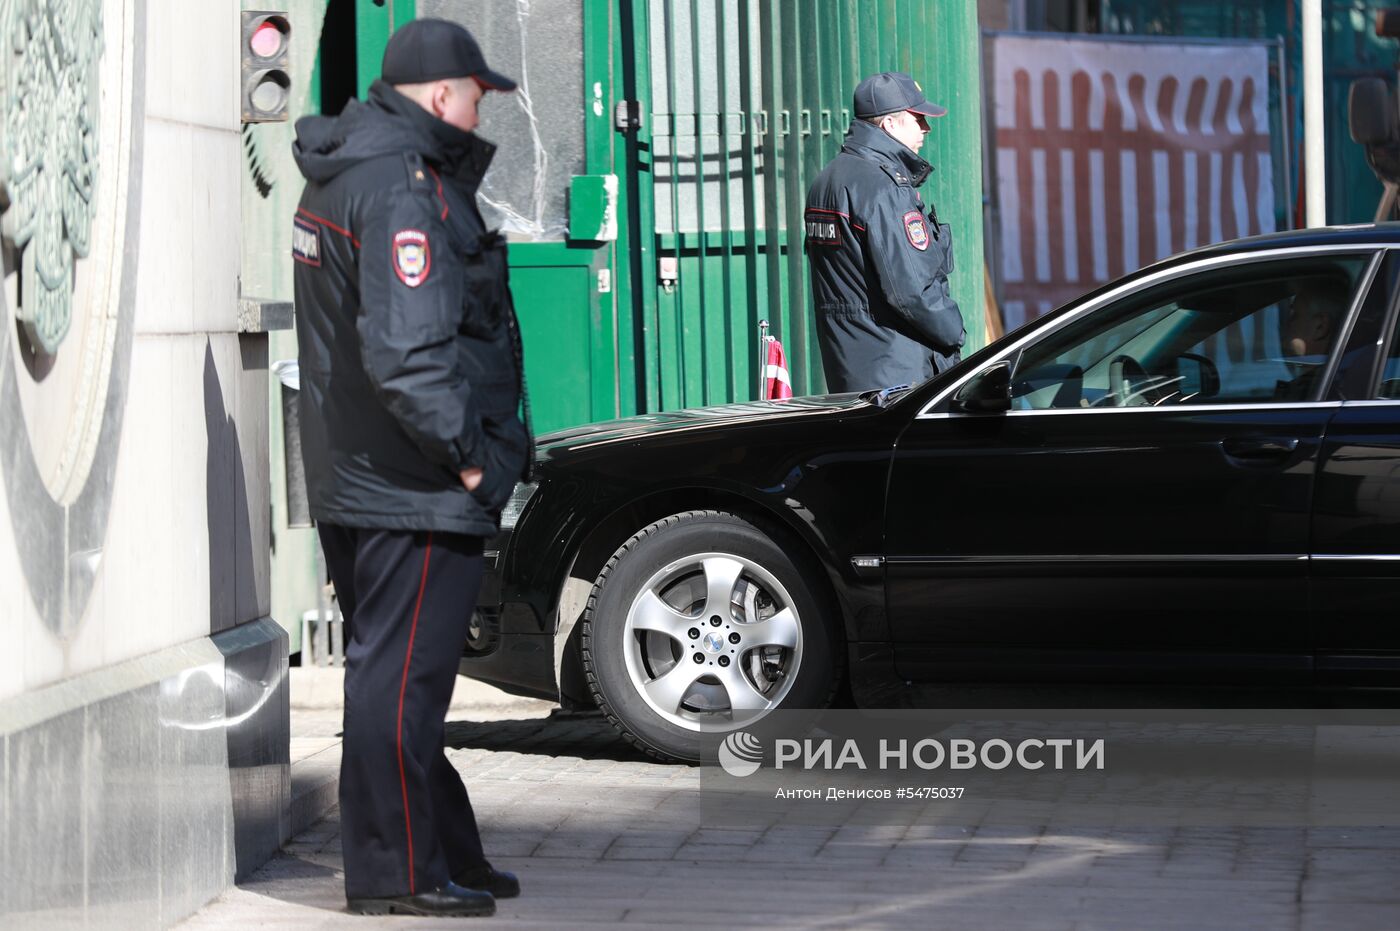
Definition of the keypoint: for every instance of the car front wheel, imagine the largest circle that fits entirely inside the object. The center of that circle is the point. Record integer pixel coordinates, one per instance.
(700, 624)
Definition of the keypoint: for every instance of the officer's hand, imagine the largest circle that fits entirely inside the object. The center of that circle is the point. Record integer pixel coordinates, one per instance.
(471, 477)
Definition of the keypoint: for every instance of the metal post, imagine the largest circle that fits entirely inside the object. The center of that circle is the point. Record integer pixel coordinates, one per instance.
(1286, 124)
(762, 357)
(676, 309)
(991, 209)
(1313, 150)
(702, 259)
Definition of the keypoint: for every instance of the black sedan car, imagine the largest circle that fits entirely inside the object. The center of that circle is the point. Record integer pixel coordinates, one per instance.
(1190, 477)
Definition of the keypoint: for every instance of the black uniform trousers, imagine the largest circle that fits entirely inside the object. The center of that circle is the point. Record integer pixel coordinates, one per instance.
(407, 825)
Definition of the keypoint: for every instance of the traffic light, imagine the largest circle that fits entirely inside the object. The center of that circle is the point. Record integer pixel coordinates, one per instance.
(266, 83)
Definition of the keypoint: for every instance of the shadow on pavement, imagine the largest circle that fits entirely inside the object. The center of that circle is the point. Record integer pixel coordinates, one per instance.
(585, 735)
(292, 878)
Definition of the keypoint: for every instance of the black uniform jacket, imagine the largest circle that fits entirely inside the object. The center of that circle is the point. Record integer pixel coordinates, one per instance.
(880, 262)
(409, 348)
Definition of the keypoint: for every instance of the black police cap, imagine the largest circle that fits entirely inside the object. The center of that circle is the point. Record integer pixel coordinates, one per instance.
(890, 92)
(425, 50)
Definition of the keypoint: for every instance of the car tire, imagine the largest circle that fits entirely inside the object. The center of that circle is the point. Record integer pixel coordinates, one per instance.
(699, 611)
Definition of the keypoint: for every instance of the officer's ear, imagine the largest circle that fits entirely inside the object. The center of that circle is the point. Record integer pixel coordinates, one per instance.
(438, 97)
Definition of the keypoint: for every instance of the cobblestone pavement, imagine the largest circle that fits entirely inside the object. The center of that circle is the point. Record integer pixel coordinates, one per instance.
(599, 835)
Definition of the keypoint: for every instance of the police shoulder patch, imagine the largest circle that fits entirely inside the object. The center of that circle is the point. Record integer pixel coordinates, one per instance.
(413, 258)
(822, 228)
(916, 229)
(306, 242)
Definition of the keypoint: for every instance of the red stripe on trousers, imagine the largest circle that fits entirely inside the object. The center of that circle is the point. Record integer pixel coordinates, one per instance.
(403, 685)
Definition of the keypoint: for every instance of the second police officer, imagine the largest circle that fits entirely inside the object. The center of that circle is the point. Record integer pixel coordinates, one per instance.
(879, 257)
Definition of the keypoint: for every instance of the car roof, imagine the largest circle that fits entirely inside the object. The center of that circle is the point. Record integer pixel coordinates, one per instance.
(1361, 234)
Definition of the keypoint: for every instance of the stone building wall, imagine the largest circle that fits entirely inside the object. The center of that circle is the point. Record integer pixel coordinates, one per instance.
(143, 701)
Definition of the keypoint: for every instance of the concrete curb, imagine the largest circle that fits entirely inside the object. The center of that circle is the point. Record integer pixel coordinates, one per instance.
(315, 782)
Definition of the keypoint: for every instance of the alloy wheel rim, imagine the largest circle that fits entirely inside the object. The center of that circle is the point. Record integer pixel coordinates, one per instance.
(712, 642)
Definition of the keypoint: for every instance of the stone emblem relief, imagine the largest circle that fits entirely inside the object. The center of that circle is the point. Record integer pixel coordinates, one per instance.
(49, 152)
(72, 117)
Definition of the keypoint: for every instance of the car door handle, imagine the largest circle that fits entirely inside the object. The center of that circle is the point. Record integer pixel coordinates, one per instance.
(1260, 448)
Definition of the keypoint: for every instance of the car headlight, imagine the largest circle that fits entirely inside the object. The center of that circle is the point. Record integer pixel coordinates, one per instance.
(518, 498)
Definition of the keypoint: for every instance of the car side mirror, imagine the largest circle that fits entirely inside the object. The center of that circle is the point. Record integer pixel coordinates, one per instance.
(1199, 377)
(987, 392)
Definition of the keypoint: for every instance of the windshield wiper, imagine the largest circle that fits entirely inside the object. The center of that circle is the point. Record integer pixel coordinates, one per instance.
(881, 397)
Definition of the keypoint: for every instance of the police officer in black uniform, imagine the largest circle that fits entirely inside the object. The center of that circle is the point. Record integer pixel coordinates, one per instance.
(879, 258)
(411, 382)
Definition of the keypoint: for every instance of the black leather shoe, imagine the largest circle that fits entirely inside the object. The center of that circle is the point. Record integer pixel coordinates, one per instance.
(499, 883)
(449, 901)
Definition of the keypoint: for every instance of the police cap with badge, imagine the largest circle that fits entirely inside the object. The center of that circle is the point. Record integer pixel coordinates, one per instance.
(890, 92)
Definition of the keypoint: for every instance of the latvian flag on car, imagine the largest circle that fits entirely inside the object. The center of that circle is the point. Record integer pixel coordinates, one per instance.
(775, 374)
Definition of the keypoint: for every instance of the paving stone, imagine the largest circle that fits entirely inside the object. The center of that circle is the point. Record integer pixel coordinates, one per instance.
(724, 852)
(719, 836)
(1354, 917)
(1350, 860)
(640, 853)
(1373, 886)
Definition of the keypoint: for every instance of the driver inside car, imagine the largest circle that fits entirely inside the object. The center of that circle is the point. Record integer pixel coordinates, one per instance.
(1306, 336)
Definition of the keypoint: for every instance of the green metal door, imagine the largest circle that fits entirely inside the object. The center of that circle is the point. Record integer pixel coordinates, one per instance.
(561, 276)
(742, 103)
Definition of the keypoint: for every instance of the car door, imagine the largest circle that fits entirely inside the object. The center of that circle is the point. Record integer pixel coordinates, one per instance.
(1355, 566)
(1141, 513)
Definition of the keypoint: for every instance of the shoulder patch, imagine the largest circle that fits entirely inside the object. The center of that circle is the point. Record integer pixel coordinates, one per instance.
(822, 228)
(418, 177)
(916, 229)
(422, 177)
(412, 257)
(306, 242)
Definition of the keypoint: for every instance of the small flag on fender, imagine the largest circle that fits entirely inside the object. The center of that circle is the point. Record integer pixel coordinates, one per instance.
(775, 374)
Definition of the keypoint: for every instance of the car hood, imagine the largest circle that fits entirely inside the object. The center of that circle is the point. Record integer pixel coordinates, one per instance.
(648, 425)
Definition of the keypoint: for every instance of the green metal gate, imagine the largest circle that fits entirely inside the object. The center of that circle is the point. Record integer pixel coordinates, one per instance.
(712, 116)
(743, 102)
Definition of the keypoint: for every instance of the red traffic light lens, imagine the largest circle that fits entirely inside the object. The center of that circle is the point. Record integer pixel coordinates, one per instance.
(266, 40)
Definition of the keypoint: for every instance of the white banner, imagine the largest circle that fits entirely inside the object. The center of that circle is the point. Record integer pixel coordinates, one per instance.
(1113, 154)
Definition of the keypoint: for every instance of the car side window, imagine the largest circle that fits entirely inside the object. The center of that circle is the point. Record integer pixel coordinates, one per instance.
(1390, 370)
(1259, 332)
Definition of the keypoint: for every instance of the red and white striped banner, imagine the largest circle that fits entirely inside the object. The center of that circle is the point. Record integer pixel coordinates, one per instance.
(1112, 154)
